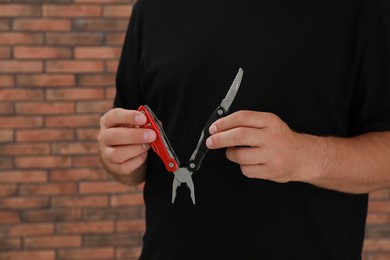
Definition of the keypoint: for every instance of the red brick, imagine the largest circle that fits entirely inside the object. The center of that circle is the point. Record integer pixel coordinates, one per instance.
(7, 190)
(79, 201)
(104, 187)
(7, 135)
(379, 256)
(52, 242)
(97, 52)
(20, 94)
(85, 227)
(23, 255)
(75, 148)
(44, 80)
(39, 24)
(9, 217)
(128, 253)
(94, 106)
(51, 215)
(87, 134)
(372, 245)
(100, 25)
(15, 66)
(5, 24)
(74, 66)
(111, 66)
(115, 39)
(96, 79)
(135, 199)
(7, 244)
(87, 253)
(15, 10)
(78, 174)
(6, 109)
(87, 161)
(24, 149)
(5, 52)
(39, 135)
(72, 121)
(117, 10)
(375, 218)
(13, 38)
(74, 94)
(20, 122)
(110, 93)
(6, 163)
(39, 108)
(60, 10)
(23, 203)
(48, 189)
(113, 213)
(379, 195)
(379, 206)
(23, 176)
(135, 225)
(43, 162)
(75, 38)
(24, 52)
(7, 81)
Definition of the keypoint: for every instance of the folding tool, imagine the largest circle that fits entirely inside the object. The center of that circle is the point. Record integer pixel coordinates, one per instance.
(162, 147)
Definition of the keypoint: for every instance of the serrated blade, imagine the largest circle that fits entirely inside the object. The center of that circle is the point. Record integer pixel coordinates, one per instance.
(228, 100)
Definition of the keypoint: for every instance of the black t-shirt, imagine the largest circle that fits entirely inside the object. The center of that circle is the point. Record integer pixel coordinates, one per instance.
(322, 66)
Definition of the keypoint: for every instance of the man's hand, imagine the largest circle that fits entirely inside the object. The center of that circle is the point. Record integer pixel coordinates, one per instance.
(263, 145)
(266, 148)
(123, 144)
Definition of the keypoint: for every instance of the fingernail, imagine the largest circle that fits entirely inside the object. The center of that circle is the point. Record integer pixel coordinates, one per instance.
(146, 146)
(213, 129)
(140, 119)
(209, 142)
(150, 136)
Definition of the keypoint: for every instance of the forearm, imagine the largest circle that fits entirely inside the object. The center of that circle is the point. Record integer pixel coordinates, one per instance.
(354, 165)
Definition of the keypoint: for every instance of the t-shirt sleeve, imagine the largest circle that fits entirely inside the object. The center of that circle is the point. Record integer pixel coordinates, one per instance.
(371, 110)
(129, 94)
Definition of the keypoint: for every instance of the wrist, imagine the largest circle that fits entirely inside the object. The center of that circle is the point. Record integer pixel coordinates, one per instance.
(313, 159)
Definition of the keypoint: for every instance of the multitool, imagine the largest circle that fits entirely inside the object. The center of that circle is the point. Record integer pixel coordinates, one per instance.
(164, 150)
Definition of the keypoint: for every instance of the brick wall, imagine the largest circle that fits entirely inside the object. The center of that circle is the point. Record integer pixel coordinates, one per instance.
(57, 70)
(57, 74)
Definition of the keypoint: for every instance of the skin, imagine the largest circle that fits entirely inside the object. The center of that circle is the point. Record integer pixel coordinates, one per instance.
(264, 147)
(123, 145)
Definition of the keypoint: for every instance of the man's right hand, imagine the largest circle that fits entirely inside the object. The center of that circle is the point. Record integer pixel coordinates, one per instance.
(123, 144)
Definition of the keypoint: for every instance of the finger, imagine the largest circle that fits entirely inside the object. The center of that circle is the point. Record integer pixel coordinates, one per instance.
(265, 172)
(118, 117)
(121, 154)
(129, 165)
(240, 136)
(245, 155)
(242, 119)
(126, 136)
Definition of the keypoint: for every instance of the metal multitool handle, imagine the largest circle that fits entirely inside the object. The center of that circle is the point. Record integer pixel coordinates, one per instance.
(201, 148)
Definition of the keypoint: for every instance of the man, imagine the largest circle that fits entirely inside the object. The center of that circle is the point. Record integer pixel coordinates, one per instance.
(307, 139)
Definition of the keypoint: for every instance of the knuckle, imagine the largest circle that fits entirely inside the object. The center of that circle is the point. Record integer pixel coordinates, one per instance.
(241, 116)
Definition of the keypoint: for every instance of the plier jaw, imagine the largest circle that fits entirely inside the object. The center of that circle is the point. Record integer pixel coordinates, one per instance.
(183, 175)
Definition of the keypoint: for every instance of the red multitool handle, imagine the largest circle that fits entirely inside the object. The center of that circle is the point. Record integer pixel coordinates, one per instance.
(161, 145)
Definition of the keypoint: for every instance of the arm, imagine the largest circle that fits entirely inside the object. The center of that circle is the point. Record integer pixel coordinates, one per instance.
(123, 145)
(266, 148)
